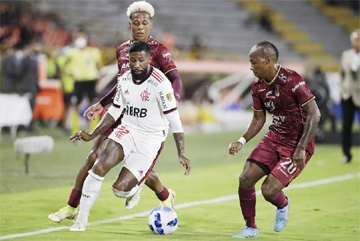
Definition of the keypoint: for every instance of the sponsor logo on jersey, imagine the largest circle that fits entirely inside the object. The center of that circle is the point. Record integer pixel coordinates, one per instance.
(136, 112)
(283, 76)
(163, 101)
(145, 95)
(151, 81)
(297, 86)
(169, 96)
(166, 55)
(117, 96)
(126, 92)
(270, 105)
(269, 95)
(152, 42)
(125, 66)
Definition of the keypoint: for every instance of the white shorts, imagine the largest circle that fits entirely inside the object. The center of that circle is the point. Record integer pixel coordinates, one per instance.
(141, 150)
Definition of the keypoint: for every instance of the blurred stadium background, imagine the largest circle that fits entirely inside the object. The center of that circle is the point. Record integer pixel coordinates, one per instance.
(209, 41)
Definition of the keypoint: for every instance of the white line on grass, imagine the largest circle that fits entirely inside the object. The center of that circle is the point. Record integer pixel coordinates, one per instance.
(186, 205)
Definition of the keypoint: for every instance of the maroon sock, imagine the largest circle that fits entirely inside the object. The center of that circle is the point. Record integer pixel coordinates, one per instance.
(163, 195)
(74, 199)
(279, 200)
(247, 203)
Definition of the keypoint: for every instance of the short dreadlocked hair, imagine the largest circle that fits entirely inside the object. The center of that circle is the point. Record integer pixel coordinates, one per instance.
(140, 6)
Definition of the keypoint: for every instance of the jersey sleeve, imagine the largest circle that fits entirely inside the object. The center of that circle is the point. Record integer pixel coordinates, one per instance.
(118, 103)
(300, 90)
(164, 59)
(165, 97)
(257, 106)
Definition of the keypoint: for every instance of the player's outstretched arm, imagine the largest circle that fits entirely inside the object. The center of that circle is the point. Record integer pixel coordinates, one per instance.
(93, 111)
(253, 129)
(179, 141)
(105, 123)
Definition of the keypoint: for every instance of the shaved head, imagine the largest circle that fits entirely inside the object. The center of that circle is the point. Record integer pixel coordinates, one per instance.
(266, 49)
(264, 60)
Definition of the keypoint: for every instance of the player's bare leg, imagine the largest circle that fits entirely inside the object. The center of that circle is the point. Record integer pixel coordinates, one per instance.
(110, 155)
(166, 196)
(271, 189)
(70, 211)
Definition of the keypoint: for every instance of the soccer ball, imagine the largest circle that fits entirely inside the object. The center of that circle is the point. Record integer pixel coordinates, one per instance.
(163, 220)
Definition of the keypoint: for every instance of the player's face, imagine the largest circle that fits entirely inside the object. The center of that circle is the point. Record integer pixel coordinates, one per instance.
(139, 62)
(355, 42)
(140, 25)
(259, 64)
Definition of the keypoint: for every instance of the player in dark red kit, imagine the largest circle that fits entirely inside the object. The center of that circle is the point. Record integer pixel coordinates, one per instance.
(288, 145)
(140, 14)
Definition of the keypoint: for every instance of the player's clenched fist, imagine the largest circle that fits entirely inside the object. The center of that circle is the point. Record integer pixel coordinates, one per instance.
(235, 147)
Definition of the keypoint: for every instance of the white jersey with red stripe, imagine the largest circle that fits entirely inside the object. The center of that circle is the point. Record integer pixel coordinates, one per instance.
(146, 102)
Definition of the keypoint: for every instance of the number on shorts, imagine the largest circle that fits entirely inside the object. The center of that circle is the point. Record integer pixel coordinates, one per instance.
(289, 166)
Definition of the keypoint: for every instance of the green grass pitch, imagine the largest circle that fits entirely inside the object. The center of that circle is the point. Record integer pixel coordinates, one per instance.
(325, 197)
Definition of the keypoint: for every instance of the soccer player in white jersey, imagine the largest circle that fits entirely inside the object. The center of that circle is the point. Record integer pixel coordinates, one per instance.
(146, 98)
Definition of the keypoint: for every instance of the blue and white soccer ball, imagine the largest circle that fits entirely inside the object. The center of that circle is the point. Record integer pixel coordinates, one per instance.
(163, 220)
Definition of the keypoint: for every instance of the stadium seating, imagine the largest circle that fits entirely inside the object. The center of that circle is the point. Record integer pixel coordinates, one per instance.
(309, 36)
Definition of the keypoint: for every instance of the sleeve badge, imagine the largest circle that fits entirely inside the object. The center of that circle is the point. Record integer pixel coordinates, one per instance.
(169, 96)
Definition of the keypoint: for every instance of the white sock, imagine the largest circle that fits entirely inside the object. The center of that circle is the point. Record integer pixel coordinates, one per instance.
(90, 193)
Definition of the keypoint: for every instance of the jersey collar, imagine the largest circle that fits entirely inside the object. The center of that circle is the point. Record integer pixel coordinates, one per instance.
(276, 75)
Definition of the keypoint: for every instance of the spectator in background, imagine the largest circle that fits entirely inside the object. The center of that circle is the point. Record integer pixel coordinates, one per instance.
(350, 92)
(67, 83)
(319, 86)
(264, 19)
(20, 73)
(26, 31)
(9, 14)
(85, 63)
(168, 39)
(197, 48)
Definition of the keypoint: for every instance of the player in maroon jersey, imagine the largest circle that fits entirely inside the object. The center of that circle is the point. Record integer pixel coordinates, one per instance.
(140, 14)
(288, 145)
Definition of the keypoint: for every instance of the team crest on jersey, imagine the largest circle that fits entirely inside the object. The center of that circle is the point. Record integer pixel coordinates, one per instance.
(145, 95)
(169, 96)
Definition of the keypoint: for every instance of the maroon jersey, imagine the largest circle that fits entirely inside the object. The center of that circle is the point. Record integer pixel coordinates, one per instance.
(161, 57)
(283, 98)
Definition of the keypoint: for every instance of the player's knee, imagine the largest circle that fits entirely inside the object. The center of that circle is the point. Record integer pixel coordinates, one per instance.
(245, 181)
(268, 191)
(124, 194)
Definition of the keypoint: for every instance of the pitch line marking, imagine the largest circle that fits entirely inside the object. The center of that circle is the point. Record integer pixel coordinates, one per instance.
(186, 205)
